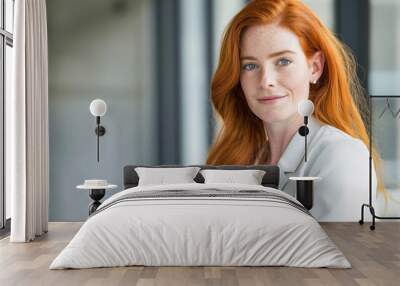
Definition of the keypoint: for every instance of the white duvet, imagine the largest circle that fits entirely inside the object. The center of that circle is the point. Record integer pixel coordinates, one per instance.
(184, 231)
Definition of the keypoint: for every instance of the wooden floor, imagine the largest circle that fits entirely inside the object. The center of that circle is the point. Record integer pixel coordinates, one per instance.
(374, 255)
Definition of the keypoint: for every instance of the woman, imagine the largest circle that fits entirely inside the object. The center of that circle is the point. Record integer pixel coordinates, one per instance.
(274, 54)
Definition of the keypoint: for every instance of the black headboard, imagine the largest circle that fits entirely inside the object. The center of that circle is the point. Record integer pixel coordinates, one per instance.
(270, 179)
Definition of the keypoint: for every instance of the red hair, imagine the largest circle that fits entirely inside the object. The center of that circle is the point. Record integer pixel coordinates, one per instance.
(338, 97)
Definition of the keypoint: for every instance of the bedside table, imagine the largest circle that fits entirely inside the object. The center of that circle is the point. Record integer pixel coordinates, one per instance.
(305, 190)
(96, 193)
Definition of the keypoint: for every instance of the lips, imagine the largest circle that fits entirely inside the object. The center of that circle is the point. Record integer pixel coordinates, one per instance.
(267, 99)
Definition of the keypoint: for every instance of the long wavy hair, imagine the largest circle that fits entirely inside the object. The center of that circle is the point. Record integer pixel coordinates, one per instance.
(338, 96)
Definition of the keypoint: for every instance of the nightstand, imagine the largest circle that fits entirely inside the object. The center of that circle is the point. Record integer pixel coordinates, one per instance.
(96, 192)
(305, 190)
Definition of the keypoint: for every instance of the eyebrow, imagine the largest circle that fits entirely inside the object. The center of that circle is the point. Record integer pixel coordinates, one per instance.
(270, 56)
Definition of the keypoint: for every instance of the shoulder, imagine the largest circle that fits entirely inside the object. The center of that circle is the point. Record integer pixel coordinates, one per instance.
(333, 140)
(336, 154)
(335, 151)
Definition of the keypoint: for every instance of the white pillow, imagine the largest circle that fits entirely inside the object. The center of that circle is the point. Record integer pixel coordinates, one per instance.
(162, 176)
(248, 177)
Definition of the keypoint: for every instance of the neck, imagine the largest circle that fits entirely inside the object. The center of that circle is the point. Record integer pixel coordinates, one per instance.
(279, 135)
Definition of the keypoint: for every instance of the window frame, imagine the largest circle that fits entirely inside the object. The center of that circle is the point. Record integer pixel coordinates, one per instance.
(6, 39)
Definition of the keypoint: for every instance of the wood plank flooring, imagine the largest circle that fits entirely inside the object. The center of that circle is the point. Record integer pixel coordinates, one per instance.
(374, 255)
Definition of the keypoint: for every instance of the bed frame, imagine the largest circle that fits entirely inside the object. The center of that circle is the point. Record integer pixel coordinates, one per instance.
(270, 179)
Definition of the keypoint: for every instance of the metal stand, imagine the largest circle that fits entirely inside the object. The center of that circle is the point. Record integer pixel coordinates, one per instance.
(370, 206)
(96, 195)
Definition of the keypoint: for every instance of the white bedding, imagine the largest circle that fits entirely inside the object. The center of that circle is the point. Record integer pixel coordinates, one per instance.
(182, 231)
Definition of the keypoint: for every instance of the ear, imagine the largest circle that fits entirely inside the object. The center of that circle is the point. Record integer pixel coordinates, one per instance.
(316, 64)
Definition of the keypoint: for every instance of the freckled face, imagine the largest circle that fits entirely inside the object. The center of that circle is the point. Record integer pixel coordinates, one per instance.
(275, 73)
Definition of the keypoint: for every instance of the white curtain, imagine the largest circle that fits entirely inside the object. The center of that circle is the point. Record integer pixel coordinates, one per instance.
(27, 122)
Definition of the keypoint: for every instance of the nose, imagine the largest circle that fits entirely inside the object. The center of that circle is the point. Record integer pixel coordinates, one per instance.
(268, 78)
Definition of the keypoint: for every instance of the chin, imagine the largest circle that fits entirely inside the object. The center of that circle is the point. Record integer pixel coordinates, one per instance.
(274, 117)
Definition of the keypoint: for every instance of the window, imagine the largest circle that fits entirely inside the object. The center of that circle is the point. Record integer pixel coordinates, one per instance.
(384, 81)
(6, 44)
(325, 11)
(384, 47)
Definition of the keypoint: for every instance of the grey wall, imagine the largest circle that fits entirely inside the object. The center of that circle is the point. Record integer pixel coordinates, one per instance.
(97, 50)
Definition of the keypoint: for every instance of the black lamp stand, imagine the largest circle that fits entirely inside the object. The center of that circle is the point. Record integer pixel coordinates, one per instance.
(100, 131)
(303, 131)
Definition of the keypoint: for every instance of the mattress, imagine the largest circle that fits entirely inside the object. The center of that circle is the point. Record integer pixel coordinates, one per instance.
(201, 225)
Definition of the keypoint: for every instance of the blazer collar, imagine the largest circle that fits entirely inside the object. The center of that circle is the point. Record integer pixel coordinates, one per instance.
(294, 152)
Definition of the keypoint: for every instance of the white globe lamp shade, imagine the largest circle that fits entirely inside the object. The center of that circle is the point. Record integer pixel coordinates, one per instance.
(98, 107)
(305, 107)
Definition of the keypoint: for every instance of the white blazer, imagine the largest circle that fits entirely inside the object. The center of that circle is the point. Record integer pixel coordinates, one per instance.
(341, 161)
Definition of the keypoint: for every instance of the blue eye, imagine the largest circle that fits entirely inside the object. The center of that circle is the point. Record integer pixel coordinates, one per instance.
(249, 67)
(283, 62)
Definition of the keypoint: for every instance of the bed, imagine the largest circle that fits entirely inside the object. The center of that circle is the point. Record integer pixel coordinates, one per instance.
(201, 224)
